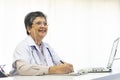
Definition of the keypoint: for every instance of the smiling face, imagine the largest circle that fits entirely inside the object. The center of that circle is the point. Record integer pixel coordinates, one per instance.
(39, 29)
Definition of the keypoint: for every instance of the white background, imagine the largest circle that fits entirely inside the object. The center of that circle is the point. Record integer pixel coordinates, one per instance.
(80, 31)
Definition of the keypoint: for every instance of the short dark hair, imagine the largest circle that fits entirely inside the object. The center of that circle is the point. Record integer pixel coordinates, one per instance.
(29, 18)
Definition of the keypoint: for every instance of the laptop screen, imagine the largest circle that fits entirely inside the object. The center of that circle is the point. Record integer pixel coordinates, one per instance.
(113, 53)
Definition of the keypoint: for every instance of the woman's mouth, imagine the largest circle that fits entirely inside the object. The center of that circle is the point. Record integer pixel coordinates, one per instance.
(42, 30)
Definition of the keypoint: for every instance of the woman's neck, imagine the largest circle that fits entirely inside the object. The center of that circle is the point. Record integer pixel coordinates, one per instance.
(37, 40)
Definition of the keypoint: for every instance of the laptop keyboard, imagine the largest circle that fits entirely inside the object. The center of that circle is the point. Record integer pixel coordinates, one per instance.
(89, 70)
(94, 70)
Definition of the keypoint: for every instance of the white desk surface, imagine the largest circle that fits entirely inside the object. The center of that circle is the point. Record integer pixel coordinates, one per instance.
(89, 76)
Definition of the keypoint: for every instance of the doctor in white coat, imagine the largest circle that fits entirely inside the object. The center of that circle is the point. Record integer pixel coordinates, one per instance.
(33, 56)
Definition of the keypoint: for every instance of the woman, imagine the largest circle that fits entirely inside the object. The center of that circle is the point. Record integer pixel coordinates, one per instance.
(33, 56)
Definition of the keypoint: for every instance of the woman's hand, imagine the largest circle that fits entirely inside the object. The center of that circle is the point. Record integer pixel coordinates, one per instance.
(61, 69)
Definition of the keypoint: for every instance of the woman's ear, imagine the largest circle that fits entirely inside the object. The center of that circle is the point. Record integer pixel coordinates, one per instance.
(28, 30)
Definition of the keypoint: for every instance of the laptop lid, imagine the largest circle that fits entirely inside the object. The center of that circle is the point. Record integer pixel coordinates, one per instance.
(113, 53)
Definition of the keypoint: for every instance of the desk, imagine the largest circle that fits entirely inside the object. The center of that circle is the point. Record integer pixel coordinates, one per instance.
(88, 76)
(58, 77)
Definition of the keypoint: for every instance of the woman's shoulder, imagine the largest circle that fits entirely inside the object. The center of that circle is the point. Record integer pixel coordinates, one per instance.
(25, 42)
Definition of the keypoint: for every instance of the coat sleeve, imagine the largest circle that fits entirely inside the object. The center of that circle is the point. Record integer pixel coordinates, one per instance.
(26, 69)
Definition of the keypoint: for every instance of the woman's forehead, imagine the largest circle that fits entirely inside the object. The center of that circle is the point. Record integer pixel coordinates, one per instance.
(39, 19)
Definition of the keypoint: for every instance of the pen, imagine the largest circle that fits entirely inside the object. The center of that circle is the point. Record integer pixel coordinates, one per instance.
(61, 61)
(52, 56)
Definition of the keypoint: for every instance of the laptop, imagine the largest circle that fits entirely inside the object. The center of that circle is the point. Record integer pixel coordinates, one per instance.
(101, 69)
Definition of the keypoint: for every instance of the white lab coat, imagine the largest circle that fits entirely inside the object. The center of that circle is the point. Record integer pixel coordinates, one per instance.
(29, 52)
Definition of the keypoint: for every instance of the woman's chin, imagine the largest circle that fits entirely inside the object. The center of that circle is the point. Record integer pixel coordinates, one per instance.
(42, 36)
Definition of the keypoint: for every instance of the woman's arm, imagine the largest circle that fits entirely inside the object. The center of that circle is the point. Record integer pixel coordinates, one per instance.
(24, 68)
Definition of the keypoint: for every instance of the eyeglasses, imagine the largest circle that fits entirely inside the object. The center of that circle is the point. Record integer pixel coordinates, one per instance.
(41, 23)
